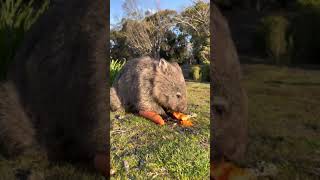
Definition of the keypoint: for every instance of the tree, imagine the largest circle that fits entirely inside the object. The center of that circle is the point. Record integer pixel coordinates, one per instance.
(195, 21)
(145, 36)
(131, 9)
(118, 46)
(175, 47)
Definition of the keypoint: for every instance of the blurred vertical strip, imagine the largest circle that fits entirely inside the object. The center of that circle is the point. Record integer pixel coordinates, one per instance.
(229, 108)
(108, 83)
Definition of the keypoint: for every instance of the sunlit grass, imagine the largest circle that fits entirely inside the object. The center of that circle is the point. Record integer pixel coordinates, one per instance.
(168, 152)
(115, 66)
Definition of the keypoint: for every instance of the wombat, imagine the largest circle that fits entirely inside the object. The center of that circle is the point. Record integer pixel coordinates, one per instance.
(17, 133)
(229, 106)
(146, 84)
(54, 100)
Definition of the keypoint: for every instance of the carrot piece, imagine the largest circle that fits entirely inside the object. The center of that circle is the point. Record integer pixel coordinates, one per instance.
(228, 171)
(184, 119)
(186, 123)
(180, 116)
(177, 115)
(153, 116)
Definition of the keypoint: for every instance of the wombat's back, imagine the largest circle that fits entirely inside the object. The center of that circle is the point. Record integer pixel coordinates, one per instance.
(136, 76)
(146, 84)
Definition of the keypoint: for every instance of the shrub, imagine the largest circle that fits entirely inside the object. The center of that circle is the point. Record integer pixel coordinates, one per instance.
(272, 37)
(16, 17)
(196, 73)
(308, 3)
(115, 67)
(305, 32)
(205, 71)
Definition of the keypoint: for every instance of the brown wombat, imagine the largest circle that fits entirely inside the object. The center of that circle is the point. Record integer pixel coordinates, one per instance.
(229, 108)
(146, 84)
(54, 100)
(17, 134)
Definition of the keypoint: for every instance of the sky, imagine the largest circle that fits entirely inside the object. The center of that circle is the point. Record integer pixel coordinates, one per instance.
(116, 11)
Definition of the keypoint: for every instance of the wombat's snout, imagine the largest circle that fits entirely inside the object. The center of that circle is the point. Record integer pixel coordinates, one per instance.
(182, 108)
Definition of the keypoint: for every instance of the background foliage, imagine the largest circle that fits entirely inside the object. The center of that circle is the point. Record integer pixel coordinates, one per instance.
(16, 18)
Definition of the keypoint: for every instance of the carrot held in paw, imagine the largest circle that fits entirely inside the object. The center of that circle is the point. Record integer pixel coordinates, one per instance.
(153, 116)
(184, 119)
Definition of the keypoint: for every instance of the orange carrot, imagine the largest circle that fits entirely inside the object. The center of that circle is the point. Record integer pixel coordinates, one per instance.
(177, 115)
(153, 116)
(180, 116)
(228, 171)
(184, 119)
(186, 123)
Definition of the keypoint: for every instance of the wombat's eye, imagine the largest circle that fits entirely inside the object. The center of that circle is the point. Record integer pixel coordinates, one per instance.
(178, 95)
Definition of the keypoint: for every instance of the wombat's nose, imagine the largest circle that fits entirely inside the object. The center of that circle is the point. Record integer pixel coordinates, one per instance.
(183, 109)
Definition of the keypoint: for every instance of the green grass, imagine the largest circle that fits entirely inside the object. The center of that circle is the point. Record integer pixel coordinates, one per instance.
(115, 66)
(63, 171)
(141, 149)
(284, 129)
(284, 119)
(16, 18)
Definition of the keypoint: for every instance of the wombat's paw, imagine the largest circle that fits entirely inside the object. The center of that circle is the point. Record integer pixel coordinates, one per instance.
(153, 116)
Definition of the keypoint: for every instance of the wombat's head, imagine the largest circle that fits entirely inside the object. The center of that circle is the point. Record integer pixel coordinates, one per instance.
(170, 87)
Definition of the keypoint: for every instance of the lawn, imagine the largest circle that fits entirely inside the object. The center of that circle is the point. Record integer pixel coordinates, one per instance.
(284, 119)
(284, 131)
(18, 169)
(141, 149)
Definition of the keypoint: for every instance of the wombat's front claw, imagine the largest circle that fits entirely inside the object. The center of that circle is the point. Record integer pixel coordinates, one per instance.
(153, 116)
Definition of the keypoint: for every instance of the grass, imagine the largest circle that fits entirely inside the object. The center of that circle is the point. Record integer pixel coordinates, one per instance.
(284, 130)
(284, 119)
(64, 171)
(16, 18)
(142, 150)
(115, 66)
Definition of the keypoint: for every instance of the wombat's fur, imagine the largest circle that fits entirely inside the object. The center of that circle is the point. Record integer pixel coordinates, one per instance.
(229, 129)
(55, 97)
(17, 131)
(145, 84)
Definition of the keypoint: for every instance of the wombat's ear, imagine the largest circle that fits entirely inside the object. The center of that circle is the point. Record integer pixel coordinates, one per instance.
(163, 65)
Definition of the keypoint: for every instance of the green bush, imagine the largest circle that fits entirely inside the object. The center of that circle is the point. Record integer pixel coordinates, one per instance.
(272, 38)
(16, 17)
(115, 67)
(205, 72)
(305, 33)
(196, 73)
(308, 3)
